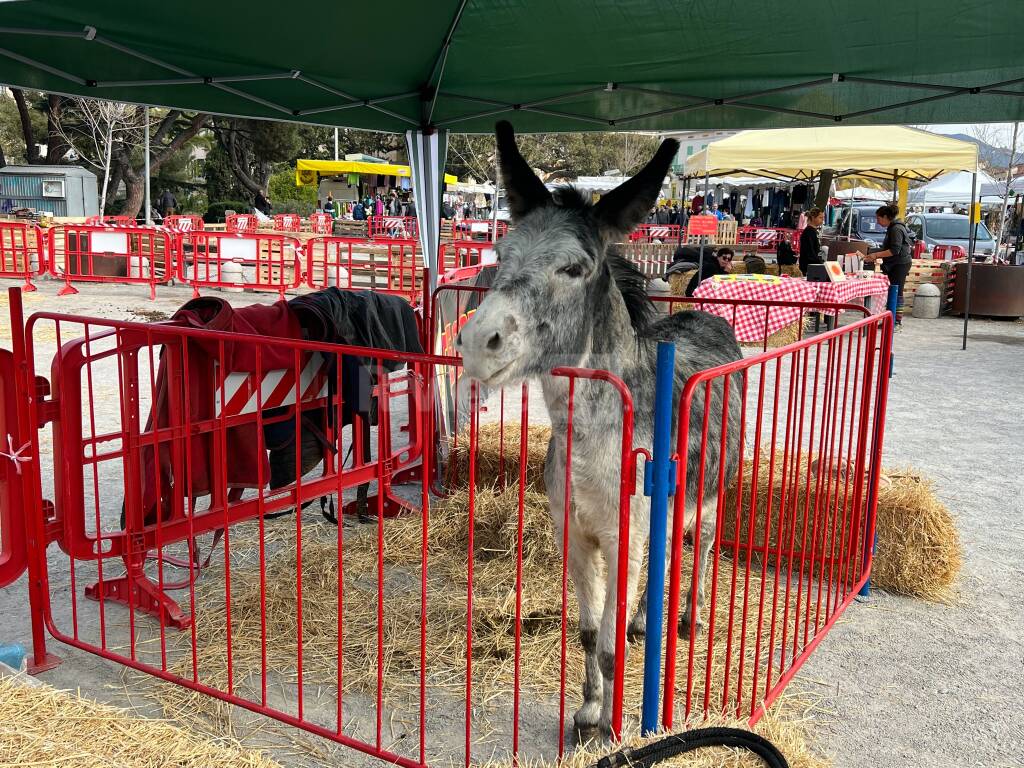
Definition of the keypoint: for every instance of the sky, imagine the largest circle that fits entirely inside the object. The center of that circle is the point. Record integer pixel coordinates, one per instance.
(1003, 131)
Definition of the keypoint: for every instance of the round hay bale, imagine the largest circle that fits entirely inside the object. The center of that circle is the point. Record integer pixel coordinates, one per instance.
(918, 551)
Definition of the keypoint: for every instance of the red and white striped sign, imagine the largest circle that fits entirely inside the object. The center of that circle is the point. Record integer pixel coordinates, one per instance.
(277, 388)
(765, 236)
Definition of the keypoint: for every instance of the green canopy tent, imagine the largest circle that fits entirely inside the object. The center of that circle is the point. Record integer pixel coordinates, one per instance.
(425, 68)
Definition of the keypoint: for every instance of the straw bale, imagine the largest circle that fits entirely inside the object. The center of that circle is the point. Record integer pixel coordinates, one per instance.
(918, 551)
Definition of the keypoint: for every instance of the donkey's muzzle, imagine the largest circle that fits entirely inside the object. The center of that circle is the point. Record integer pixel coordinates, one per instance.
(490, 343)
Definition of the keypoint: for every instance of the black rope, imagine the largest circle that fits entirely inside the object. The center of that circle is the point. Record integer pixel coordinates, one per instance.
(677, 744)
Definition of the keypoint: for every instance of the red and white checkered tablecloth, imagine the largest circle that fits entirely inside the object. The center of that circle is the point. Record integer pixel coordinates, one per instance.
(748, 320)
(849, 289)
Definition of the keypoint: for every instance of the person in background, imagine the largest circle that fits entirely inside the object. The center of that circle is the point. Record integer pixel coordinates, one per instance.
(719, 263)
(330, 207)
(359, 211)
(897, 253)
(810, 245)
(168, 203)
(262, 203)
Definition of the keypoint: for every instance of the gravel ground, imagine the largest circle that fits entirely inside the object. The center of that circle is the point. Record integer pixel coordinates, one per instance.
(904, 683)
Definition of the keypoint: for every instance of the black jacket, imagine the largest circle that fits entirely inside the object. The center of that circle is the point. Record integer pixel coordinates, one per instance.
(710, 269)
(361, 319)
(809, 247)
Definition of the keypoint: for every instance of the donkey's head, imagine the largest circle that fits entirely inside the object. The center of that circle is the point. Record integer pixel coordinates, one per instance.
(559, 294)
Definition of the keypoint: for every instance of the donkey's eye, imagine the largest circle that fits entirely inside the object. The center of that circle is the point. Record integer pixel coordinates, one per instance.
(571, 270)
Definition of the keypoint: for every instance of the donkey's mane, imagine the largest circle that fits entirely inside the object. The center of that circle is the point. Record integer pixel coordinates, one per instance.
(628, 279)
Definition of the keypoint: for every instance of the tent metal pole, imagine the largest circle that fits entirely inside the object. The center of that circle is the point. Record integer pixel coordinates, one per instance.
(970, 254)
(145, 154)
(494, 200)
(700, 262)
(335, 145)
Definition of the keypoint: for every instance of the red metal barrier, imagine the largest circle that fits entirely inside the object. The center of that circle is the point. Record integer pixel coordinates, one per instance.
(21, 244)
(388, 266)
(110, 254)
(321, 223)
(812, 415)
(767, 239)
(949, 253)
(13, 550)
(480, 230)
(392, 228)
(120, 221)
(241, 222)
(648, 233)
(237, 261)
(287, 222)
(463, 254)
(184, 223)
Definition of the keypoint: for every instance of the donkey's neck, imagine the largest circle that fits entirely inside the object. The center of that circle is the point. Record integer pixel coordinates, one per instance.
(611, 345)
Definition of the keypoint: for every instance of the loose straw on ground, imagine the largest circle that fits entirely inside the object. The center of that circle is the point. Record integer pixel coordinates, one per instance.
(41, 726)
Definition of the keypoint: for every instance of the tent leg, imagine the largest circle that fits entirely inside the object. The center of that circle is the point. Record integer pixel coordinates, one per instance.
(148, 204)
(970, 255)
(427, 155)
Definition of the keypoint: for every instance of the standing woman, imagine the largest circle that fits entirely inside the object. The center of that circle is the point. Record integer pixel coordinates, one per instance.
(896, 254)
(810, 245)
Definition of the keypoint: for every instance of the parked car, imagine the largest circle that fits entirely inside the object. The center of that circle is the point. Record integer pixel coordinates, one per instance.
(950, 229)
(863, 226)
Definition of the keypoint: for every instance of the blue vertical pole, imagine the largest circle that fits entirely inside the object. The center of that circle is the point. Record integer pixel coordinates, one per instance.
(892, 305)
(658, 483)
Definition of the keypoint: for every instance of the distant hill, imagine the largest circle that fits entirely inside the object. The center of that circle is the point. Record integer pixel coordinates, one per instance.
(992, 156)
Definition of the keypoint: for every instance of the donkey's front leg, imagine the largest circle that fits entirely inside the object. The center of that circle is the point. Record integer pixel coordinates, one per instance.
(606, 641)
(708, 524)
(585, 572)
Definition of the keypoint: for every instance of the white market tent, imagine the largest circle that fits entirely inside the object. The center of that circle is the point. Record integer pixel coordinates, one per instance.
(955, 189)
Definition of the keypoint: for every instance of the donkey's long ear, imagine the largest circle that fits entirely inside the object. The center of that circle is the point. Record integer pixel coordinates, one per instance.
(628, 204)
(525, 191)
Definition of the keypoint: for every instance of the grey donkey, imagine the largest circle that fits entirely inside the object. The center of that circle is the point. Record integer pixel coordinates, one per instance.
(563, 296)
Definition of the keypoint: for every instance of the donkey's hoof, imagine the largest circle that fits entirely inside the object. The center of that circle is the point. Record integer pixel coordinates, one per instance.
(586, 733)
(591, 733)
(689, 630)
(636, 633)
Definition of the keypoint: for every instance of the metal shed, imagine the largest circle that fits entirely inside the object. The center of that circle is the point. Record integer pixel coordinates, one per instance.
(63, 190)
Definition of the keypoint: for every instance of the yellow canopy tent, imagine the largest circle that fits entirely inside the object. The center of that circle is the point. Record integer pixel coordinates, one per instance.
(308, 172)
(869, 152)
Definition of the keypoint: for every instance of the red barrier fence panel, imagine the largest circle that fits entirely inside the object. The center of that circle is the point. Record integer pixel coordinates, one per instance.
(780, 492)
(236, 261)
(459, 255)
(166, 435)
(110, 254)
(184, 223)
(767, 239)
(287, 222)
(13, 549)
(478, 229)
(22, 251)
(241, 222)
(121, 221)
(648, 233)
(949, 253)
(321, 223)
(388, 266)
(392, 228)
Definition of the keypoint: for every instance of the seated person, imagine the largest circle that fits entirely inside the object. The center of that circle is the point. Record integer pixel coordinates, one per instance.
(717, 264)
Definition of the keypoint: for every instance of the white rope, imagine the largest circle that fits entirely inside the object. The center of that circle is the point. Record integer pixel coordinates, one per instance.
(15, 455)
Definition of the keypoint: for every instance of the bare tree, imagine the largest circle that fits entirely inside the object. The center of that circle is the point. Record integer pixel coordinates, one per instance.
(1011, 162)
(97, 126)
